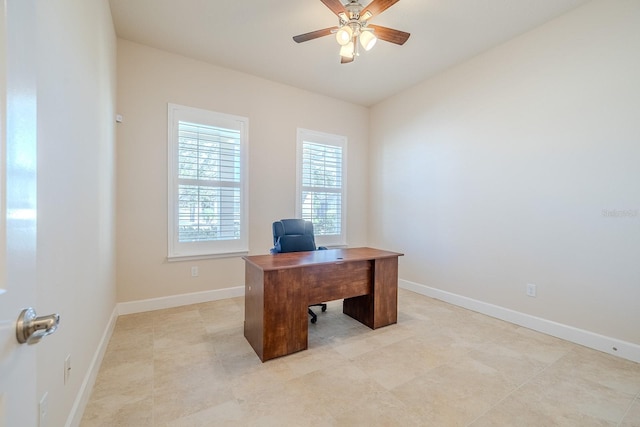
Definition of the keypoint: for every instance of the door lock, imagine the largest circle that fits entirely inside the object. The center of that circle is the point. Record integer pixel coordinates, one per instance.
(31, 329)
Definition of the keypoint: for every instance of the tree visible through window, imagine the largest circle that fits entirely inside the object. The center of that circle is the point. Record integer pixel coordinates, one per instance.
(321, 184)
(208, 183)
(207, 210)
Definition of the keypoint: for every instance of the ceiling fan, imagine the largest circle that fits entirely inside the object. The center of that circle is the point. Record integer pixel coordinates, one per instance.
(354, 29)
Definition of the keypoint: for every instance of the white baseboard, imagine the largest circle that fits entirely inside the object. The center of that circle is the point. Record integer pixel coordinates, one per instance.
(141, 306)
(77, 410)
(616, 347)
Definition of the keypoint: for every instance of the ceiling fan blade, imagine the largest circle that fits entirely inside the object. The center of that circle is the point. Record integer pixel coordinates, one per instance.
(313, 35)
(336, 6)
(389, 34)
(346, 59)
(377, 7)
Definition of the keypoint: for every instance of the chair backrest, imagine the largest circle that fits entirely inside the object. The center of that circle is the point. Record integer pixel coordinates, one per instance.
(293, 235)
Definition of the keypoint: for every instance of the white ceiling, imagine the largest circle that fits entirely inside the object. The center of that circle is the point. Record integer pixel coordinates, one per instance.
(255, 37)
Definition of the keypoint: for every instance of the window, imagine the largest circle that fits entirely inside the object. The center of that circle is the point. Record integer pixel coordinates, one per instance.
(207, 183)
(321, 185)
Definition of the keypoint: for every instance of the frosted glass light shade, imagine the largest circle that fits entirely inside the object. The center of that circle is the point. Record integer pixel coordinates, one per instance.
(347, 50)
(367, 40)
(343, 35)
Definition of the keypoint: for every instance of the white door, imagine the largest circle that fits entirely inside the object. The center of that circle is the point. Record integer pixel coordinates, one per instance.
(18, 400)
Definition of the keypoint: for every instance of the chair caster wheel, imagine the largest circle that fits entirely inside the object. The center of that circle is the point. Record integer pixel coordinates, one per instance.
(324, 308)
(313, 320)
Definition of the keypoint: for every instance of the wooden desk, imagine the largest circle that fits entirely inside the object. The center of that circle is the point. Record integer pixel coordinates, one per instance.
(279, 288)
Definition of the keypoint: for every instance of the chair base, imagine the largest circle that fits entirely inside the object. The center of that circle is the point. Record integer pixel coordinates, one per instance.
(314, 317)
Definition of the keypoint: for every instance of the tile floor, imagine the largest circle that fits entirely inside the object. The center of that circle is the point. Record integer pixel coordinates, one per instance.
(439, 366)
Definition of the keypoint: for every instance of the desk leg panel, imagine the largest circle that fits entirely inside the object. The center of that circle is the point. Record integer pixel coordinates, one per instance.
(380, 308)
(285, 313)
(360, 308)
(275, 312)
(385, 292)
(254, 308)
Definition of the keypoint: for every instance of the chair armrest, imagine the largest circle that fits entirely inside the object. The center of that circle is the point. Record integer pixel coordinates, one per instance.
(322, 248)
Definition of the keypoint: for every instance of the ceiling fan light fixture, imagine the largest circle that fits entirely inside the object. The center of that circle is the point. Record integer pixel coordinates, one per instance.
(353, 32)
(343, 35)
(367, 40)
(347, 50)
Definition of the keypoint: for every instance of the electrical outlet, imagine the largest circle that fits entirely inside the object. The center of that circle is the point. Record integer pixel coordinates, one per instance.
(531, 290)
(194, 271)
(43, 407)
(67, 368)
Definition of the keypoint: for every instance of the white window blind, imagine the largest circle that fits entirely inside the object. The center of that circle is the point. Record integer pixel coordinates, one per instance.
(321, 184)
(208, 183)
(207, 210)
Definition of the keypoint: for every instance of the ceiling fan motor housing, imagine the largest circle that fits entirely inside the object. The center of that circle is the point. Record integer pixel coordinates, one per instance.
(354, 8)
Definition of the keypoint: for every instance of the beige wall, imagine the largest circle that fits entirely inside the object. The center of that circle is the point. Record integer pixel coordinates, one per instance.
(148, 79)
(496, 173)
(76, 88)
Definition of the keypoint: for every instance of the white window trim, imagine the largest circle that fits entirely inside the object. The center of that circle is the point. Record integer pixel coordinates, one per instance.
(214, 249)
(328, 139)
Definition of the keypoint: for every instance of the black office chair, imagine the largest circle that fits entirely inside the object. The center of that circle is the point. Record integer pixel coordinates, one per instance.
(295, 235)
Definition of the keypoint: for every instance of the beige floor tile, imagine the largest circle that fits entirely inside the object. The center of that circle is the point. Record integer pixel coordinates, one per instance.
(227, 413)
(534, 345)
(441, 365)
(632, 416)
(383, 410)
(454, 394)
(170, 404)
(574, 397)
(129, 379)
(336, 389)
(137, 321)
(287, 404)
(519, 410)
(312, 360)
(119, 411)
(601, 368)
(400, 362)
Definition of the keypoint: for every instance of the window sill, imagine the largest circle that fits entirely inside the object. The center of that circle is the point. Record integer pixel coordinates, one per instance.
(178, 258)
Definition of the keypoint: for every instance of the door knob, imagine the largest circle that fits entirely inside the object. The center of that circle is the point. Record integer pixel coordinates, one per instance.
(31, 329)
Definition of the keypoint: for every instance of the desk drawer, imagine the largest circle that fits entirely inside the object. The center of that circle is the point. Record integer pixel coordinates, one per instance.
(329, 282)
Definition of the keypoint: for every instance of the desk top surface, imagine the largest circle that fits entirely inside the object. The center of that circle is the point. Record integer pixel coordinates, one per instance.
(329, 256)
